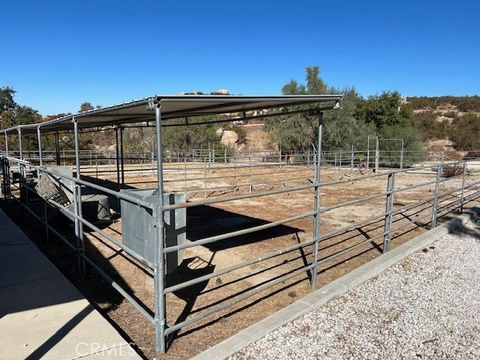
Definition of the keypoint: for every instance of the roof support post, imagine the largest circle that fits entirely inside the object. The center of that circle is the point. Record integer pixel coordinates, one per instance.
(6, 143)
(316, 205)
(78, 203)
(21, 166)
(57, 148)
(39, 140)
(159, 262)
(122, 160)
(20, 145)
(117, 155)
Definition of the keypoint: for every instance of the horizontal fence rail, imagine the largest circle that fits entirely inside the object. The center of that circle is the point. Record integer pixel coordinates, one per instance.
(224, 178)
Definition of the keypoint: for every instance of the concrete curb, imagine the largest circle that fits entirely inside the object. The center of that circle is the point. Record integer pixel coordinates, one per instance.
(335, 288)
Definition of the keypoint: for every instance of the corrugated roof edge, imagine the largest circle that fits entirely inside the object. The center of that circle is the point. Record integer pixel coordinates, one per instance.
(158, 99)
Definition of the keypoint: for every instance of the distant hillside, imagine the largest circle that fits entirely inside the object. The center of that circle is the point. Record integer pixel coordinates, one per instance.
(448, 121)
(461, 103)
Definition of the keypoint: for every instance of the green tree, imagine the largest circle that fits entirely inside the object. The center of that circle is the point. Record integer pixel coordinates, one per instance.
(185, 137)
(299, 132)
(7, 102)
(25, 115)
(342, 129)
(86, 106)
(386, 109)
(7, 107)
(390, 150)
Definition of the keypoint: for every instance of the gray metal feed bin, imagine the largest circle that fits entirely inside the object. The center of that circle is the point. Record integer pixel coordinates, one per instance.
(138, 225)
(95, 207)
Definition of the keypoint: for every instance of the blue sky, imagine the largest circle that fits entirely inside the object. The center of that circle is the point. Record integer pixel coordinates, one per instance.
(57, 54)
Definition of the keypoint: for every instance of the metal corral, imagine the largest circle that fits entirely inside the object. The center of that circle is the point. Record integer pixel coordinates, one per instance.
(154, 208)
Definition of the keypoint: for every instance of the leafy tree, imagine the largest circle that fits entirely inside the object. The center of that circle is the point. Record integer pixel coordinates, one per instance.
(25, 115)
(386, 115)
(392, 119)
(86, 106)
(343, 129)
(390, 150)
(386, 109)
(294, 88)
(7, 107)
(7, 102)
(299, 132)
(190, 137)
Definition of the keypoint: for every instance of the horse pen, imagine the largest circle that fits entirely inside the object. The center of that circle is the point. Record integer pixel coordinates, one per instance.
(182, 249)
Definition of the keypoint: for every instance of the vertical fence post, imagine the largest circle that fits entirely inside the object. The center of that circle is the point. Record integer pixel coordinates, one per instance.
(117, 155)
(78, 203)
(377, 154)
(387, 228)
(435, 199)
(316, 206)
(462, 196)
(205, 177)
(401, 156)
(3, 164)
(6, 177)
(45, 219)
(250, 185)
(159, 261)
(368, 152)
(21, 167)
(209, 160)
(39, 141)
(122, 156)
(225, 155)
(234, 182)
(352, 160)
(185, 173)
(40, 160)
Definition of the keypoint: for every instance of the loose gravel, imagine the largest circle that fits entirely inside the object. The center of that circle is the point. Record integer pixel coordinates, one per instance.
(427, 306)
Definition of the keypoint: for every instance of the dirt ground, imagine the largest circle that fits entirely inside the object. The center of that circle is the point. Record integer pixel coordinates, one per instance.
(339, 253)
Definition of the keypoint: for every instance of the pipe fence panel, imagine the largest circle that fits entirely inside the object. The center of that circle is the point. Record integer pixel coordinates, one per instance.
(402, 206)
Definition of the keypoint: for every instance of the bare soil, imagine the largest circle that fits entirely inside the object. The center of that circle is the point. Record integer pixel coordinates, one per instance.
(216, 219)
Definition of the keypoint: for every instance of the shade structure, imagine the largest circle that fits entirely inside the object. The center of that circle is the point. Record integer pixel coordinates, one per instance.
(176, 106)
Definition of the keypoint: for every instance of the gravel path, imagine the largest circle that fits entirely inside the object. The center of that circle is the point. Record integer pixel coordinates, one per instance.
(427, 306)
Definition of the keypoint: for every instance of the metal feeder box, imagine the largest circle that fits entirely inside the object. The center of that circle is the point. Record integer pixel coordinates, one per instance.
(138, 225)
